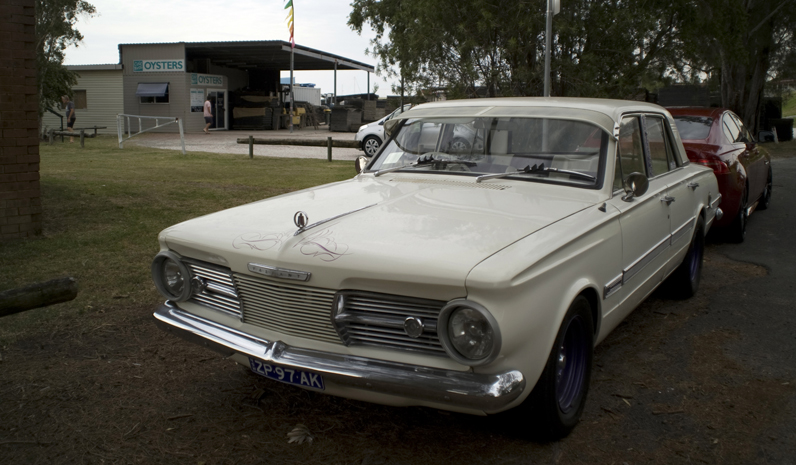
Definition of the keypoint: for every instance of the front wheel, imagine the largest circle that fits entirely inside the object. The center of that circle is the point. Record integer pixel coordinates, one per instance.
(556, 402)
(736, 231)
(371, 145)
(684, 282)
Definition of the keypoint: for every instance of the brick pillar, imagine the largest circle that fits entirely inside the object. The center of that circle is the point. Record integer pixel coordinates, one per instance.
(20, 195)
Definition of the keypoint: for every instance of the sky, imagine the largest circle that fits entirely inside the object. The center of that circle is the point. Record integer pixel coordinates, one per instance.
(319, 24)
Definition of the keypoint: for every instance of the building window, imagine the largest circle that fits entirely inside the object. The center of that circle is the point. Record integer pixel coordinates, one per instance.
(80, 99)
(153, 92)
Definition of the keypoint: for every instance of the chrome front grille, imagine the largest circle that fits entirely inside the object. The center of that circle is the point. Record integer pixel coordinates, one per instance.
(218, 291)
(364, 318)
(287, 308)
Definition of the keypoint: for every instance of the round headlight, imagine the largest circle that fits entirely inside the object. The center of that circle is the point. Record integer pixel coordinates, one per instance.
(469, 332)
(171, 276)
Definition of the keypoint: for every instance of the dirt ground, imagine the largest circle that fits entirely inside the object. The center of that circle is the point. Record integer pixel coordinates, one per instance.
(118, 390)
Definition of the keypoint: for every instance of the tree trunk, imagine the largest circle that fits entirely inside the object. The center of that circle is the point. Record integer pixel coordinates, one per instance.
(37, 295)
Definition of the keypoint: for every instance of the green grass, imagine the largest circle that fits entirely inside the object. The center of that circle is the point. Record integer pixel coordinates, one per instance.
(103, 208)
(789, 106)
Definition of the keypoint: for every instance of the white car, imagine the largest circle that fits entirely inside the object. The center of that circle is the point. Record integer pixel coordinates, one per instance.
(475, 280)
(371, 135)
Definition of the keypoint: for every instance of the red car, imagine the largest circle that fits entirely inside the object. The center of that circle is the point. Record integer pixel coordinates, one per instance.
(716, 137)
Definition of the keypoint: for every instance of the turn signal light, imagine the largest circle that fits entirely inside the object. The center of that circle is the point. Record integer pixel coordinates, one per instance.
(718, 166)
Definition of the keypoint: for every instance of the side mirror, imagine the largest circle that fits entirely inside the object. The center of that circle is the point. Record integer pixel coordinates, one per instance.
(360, 163)
(636, 185)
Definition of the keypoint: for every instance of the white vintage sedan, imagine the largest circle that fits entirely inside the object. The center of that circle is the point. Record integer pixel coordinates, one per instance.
(475, 279)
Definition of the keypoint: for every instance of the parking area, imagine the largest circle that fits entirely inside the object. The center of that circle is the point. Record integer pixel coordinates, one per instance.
(707, 380)
(226, 142)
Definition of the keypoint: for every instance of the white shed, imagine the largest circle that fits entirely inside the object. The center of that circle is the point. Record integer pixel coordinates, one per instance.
(98, 97)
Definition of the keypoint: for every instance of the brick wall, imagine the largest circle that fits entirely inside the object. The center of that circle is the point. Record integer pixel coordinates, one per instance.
(20, 196)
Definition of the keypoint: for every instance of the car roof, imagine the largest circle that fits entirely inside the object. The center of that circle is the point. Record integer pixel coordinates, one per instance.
(605, 113)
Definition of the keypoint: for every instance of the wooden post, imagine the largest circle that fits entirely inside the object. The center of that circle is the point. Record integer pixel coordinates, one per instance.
(329, 148)
(251, 146)
(82, 138)
(37, 295)
(52, 137)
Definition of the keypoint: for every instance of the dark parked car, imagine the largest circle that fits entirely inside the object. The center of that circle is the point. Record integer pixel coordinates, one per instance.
(716, 137)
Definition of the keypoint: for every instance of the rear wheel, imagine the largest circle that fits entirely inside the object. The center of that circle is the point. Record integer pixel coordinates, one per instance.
(684, 282)
(765, 200)
(556, 402)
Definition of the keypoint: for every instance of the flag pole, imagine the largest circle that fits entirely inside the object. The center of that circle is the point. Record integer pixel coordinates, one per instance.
(291, 88)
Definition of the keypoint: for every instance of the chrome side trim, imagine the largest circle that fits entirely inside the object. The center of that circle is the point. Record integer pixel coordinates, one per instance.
(682, 230)
(485, 392)
(313, 225)
(613, 286)
(634, 268)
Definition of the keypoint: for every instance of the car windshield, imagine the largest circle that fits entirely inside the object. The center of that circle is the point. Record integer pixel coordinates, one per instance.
(532, 149)
(693, 127)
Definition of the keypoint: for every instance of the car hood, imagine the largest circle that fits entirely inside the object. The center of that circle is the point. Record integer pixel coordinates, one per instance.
(425, 231)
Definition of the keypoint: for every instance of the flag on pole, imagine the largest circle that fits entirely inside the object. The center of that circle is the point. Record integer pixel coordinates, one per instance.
(289, 19)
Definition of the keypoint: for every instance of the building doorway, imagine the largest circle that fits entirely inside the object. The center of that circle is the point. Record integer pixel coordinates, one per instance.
(218, 106)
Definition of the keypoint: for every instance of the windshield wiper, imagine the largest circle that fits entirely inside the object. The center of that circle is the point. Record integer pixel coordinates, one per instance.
(424, 160)
(535, 169)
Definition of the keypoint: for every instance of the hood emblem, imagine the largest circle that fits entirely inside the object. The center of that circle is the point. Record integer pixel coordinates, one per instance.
(300, 219)
(274, 272)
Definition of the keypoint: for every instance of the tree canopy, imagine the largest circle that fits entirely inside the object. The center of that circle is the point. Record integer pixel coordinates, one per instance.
(601, 48)
(55, 31)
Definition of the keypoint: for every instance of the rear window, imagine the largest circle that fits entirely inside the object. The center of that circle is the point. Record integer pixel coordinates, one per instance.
(693, 127)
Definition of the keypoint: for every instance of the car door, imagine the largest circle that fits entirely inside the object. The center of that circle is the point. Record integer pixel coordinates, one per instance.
(680, 187)
(644, 220)
(755, 163)
(740, 153)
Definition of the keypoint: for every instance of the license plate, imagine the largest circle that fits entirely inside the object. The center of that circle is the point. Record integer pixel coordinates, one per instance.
(287, 375)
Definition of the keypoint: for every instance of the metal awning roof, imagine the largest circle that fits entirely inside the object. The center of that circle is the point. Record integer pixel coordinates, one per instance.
(152, 89)
(267, 54)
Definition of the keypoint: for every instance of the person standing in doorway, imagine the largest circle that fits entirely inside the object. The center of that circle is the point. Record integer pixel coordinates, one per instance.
(208, 112)
(69, 109)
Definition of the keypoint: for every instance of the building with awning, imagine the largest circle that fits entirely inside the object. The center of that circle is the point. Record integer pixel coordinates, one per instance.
(174, 80)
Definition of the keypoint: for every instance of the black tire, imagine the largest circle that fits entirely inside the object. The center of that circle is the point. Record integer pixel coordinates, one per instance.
(459, 145)
(370, 145)
(765, 199)
(736, 231)
(684, 282)
(556, 402)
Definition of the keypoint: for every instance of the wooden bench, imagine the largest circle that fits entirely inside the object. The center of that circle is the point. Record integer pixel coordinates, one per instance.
(77, 131)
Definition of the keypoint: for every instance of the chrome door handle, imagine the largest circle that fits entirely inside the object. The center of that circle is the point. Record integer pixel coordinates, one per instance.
(667, 199)
(693, 185)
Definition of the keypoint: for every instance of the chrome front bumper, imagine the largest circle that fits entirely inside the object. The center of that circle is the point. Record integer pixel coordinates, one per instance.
(487, 393)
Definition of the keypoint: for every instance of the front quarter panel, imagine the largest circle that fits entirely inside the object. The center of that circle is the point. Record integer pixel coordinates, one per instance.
(529, 285)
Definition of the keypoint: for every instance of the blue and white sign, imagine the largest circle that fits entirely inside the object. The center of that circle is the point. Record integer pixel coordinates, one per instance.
(206, 80)
(158, 66)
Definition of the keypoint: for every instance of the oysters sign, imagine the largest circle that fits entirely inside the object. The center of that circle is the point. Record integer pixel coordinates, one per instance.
(154, 66)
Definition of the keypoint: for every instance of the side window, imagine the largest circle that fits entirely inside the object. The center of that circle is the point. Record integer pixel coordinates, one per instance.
(660, 146)
(630, 152)
(731, 129)
(744, 132)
